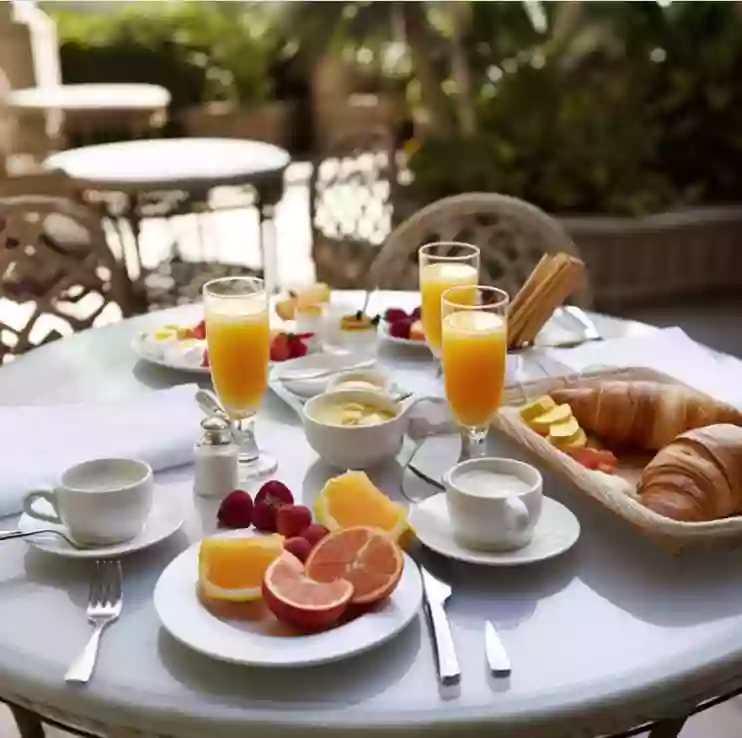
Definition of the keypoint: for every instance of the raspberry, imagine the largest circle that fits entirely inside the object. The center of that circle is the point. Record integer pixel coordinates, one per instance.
(315, 533)
(299, 547)
(236, 510)
(292, 520)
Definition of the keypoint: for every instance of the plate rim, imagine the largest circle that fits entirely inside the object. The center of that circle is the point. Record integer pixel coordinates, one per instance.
(498, 558)
(137, 346)
(411, 571)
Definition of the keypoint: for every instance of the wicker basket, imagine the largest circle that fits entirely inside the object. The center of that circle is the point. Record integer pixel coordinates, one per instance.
(616, 492)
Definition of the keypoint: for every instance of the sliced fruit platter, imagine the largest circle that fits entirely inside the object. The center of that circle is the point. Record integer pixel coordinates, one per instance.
(402, 327)
(285, 572)
(183, 347)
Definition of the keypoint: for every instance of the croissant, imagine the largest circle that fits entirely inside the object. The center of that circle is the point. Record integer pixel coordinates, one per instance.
(646, 415)
(697, 476)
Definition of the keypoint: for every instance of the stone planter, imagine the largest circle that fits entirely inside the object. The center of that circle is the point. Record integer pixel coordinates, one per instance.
(270, 122)
(661, 258)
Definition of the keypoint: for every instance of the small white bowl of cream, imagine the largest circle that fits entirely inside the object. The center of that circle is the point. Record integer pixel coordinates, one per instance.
(372, 380)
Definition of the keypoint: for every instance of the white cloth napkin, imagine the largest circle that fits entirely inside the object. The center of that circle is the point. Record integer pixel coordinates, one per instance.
(670, 351)
(37, 443)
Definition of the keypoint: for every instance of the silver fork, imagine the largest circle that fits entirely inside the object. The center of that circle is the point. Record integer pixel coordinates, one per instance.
(104, 608)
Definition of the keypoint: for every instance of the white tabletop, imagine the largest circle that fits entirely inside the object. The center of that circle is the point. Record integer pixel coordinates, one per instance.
(170, 163)
(614, 632)
(91, 98)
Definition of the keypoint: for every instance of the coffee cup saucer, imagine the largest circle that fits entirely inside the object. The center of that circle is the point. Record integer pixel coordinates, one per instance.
(165, 518)
(556, 531)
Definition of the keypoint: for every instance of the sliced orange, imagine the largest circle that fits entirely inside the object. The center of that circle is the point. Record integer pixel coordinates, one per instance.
(232, 569)
(351, 499)
(365, 557)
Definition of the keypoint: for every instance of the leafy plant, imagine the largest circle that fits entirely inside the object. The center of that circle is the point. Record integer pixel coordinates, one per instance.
(199, 51)
(628, 108)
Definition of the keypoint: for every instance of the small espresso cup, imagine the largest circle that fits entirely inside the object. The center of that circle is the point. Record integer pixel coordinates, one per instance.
(100, 502)
(493, 504)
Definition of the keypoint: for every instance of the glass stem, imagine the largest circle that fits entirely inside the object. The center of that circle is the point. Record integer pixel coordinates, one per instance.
(473, 442)
(244, 436)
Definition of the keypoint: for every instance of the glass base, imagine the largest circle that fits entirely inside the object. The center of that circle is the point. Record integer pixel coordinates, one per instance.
(257, 466)
(473, 443)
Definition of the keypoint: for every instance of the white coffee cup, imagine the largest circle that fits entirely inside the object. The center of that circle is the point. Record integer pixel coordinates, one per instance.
(494, 504)
(103, 501)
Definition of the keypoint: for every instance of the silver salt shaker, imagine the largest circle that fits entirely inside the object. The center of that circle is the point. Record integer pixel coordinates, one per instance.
(217, 455)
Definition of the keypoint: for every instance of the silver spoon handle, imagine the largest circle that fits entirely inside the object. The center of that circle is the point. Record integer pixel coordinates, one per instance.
(6, 535)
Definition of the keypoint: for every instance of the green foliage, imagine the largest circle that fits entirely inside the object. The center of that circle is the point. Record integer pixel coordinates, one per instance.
(199, 51)
(634, 109)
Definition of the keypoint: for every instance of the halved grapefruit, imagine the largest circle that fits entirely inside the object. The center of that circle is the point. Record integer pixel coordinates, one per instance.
(366, 557)
(300, 601)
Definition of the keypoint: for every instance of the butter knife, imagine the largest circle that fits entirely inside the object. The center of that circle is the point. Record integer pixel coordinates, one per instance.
(497, 657)
(436, 593)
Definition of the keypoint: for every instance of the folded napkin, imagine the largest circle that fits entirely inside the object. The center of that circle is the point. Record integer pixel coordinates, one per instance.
(39, 442)
(670, 351)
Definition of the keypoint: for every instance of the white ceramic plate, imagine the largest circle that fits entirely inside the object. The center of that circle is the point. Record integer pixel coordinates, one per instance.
(166, 517)
(384, 333)
(252, 643)
(556, 532)
(142, 349)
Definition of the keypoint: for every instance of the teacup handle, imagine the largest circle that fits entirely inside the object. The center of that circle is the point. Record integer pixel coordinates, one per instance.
(41, 494)
(517, 514)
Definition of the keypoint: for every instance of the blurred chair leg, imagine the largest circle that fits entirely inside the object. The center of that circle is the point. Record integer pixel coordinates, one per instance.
(668, 728)
(29, 724)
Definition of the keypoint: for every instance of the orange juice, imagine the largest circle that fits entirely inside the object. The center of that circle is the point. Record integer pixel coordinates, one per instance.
(474, 353)
(435, 279)
(238, 337)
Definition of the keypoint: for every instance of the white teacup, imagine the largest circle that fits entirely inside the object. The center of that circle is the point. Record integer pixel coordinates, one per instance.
(102, 502)
(494, 504)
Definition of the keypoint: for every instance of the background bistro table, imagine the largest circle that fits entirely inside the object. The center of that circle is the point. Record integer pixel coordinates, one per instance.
(610, 635)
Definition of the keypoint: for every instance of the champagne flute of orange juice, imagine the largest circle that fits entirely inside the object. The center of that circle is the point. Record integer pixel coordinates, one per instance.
(238, 339)
(442, 265)
(474, 345)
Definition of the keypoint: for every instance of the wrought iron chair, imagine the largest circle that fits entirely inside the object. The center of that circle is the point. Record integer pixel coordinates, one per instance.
(511, 233)
(351, 190)
(57, 273)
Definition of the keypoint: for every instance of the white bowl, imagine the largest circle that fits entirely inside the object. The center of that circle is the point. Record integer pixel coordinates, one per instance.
(356, 447)
(374, 377)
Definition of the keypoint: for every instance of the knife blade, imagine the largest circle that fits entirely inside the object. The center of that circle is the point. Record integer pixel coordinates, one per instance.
(436, 593)
(497, 657)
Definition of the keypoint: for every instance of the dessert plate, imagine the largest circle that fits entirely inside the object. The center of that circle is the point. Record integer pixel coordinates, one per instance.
(384, 333)
(556, 532)
(165, 518)
(172, 357)
(262, 641)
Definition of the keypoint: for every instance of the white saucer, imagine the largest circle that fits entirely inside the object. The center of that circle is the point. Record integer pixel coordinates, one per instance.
(166, 517)
(557, 531)
(386, 336)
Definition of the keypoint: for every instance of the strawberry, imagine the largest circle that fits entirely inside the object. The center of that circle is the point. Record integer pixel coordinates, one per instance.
(297, 347)
(392, 315)
(400, 328)
(205, 361)
(280, 348)
(199, 331)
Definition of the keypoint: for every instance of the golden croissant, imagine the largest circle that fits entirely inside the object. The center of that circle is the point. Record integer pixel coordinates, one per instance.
(646, 415)
(697, 476)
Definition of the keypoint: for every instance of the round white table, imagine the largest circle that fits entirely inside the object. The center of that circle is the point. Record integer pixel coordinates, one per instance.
(166, 177)
(609, 635)
(90, 106)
